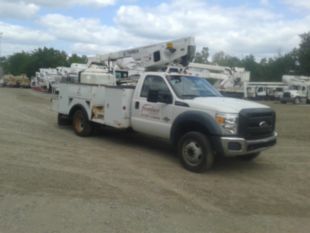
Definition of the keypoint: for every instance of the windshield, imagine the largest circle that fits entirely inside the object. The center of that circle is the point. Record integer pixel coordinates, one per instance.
(189, 87)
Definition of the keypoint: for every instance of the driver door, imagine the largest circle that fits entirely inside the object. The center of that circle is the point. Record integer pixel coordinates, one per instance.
(153, 117)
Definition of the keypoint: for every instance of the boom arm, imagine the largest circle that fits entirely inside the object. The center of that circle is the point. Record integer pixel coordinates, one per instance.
(154, 56)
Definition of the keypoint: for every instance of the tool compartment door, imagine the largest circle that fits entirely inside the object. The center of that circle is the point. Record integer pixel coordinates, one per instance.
(117, 107)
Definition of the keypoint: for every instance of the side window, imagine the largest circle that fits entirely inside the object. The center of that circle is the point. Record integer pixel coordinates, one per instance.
(156, 56)
(154, 83)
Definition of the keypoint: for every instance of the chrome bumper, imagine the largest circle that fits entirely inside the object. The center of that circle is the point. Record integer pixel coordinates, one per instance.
(240, 146)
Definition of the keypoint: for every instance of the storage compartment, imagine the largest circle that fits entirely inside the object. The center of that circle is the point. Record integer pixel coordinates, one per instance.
(117, 107)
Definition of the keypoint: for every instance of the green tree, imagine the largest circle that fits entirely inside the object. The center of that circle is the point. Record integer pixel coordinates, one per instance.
(223, 59)
(203, 56)
(304, 54)
(48, 58)
(30, 62)
(74, 58)
(18, 63)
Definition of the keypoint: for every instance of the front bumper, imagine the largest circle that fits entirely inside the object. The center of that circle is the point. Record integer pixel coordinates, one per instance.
(233, 146)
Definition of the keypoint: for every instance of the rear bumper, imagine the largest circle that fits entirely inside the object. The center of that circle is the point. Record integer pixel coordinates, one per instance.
(232, 146)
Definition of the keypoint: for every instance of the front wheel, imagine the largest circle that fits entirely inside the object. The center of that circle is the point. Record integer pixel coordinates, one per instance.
(81, 125)
(195, 152)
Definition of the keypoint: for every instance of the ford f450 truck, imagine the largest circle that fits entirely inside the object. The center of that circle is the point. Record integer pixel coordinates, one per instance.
(186, 110)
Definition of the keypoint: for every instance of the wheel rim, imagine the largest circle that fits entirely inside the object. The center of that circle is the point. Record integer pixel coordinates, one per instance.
(79, 122)
(192, 153)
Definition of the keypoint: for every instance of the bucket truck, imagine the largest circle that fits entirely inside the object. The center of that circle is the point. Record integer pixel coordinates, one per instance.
(298, 90)
(168, 103)
(229, 81)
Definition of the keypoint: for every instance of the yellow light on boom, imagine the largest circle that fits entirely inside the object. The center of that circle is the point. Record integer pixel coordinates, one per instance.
(169, 45)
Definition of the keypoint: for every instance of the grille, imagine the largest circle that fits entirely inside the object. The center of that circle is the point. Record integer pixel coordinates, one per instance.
(256, 123)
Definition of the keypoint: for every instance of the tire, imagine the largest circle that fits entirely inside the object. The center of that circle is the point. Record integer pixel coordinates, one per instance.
(249, 157)
(81, 125)
(195, 152)
(63, 120)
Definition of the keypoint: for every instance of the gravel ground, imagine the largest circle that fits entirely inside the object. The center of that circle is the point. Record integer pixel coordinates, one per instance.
(53, 181)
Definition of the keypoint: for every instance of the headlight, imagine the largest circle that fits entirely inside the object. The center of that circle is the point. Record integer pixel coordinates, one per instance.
(228, 122)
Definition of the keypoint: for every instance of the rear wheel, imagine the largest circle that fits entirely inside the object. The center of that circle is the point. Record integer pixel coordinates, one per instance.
(81, 125)
(195, 152)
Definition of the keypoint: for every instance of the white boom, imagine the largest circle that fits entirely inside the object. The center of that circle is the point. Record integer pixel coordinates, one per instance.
(228, 80)
(154, 56)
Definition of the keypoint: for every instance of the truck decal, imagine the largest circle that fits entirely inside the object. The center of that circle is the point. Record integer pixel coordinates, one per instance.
(149, 111)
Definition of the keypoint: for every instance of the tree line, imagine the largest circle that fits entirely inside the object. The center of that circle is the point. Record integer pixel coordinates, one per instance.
(30, 62)
(296, 62)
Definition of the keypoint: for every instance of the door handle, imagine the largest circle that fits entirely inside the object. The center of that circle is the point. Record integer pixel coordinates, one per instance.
(137, 105)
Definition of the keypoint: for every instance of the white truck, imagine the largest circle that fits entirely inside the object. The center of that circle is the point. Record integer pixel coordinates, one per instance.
(184, 109)
(264, 90)
(298, 90)
(229, 81)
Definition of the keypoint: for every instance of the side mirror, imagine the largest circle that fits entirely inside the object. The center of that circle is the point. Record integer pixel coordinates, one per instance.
(153, 96)
(165, 98)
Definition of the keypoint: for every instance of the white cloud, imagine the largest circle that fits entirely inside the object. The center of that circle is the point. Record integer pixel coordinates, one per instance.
(8, 48)
(264, 2)
(89, 34)
(17, 9)
(60, 3)
(84, 30)
(305, 4)
(235, 30)
(15, 33)
(16, 38)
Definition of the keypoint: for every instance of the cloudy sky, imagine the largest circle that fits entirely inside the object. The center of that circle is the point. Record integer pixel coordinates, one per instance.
(238, 27)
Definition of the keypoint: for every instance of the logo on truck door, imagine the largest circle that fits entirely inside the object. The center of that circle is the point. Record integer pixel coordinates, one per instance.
(150, 111)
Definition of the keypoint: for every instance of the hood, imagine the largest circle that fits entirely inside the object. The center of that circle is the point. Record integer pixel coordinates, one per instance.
(223, 104)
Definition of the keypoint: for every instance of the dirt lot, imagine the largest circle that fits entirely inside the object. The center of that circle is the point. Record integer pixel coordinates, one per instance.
(53, 181)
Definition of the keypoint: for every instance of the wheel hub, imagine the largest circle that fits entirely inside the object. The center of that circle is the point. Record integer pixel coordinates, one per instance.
(79, 123)
(192, 153)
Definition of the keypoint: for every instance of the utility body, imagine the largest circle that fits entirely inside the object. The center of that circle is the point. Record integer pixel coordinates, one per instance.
(183, 109)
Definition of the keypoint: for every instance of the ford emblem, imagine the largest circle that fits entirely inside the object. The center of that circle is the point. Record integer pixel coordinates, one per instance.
(263, 124)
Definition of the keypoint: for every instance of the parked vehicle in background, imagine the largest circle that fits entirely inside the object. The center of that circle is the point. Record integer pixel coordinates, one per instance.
(21, 81)
(264, 90)
(298, 90)
(46, 79)
(228, 80)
